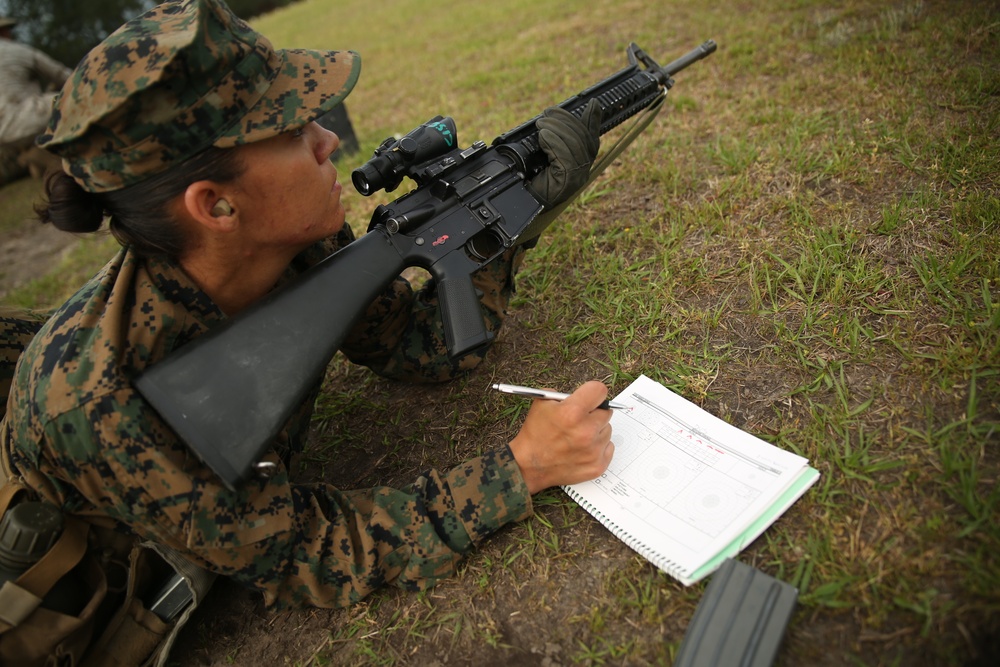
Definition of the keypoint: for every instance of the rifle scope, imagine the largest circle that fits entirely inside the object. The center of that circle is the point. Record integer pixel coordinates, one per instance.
(394, 157)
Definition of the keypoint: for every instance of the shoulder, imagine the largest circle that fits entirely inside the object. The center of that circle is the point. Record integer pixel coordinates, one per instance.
(118, 323)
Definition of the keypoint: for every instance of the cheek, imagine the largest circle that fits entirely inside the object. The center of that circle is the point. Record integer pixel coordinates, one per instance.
(280, 197)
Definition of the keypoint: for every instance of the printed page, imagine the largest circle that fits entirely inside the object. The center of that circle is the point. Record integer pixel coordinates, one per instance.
(684, 483)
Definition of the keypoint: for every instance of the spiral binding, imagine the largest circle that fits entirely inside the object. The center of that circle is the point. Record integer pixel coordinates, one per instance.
(672, 568)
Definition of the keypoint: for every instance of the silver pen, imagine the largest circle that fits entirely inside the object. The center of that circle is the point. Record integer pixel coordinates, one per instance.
(550, 395)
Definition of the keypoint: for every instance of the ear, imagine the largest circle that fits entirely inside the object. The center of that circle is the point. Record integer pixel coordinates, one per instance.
(208, 204)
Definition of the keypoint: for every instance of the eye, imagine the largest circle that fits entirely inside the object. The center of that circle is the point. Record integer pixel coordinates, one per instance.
(299, 132)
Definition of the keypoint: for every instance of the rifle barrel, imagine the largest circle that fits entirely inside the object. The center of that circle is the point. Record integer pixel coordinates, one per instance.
(692, 56)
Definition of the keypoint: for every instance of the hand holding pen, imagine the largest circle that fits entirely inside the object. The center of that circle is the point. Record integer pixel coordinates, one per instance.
(565, 440)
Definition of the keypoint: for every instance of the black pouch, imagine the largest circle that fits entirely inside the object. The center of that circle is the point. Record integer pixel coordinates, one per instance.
(136, 635)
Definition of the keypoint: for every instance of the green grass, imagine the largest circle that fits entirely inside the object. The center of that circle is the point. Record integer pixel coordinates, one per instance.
(805, 243)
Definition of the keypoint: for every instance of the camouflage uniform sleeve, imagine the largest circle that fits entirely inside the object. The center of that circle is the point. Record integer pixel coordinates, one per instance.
(401, 335)
(17, 329)
(411, 537)
(297, 544)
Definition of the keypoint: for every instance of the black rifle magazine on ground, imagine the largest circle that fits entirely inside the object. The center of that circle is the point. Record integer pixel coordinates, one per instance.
(740, 620)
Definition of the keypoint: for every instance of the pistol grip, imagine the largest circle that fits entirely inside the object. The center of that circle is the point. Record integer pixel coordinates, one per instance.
(464, 330)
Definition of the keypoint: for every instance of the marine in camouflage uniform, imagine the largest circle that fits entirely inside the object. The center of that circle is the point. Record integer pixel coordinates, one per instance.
(75, 417)
(26, 77)
(83, 438)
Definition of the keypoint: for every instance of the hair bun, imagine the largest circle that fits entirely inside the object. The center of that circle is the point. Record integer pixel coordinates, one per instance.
(71, 208)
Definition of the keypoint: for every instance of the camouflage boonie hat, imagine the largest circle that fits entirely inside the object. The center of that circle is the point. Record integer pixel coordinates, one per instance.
(184, 76)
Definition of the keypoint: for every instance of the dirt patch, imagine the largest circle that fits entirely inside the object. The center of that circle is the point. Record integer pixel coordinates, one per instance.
(29, 252)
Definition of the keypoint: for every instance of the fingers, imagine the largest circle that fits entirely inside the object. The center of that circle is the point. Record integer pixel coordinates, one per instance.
(574, 134)
(609, 453)
(571, 145)
(582, 407)
(583, 132)
(592, 116)
(569, 151)
(565, 442)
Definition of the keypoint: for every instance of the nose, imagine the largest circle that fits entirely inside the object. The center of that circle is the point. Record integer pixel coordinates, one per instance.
(327, 144)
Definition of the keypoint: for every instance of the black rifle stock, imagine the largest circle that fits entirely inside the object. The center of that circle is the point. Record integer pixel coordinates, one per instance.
(228, 393)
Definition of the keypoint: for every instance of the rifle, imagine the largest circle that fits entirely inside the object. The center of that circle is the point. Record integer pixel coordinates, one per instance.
(228, 393)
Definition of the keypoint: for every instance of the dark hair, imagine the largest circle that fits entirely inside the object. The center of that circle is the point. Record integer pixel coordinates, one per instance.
(138, 214)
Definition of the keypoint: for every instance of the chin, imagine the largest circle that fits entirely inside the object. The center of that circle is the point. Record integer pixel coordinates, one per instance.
(337, 225)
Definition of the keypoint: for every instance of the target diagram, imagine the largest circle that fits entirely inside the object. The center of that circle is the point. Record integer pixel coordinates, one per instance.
(662, 464)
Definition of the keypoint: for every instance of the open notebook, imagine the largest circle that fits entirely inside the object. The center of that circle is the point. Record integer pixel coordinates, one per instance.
(685, 489)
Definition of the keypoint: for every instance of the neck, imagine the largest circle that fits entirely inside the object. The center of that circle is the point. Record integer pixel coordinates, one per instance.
(234, 282)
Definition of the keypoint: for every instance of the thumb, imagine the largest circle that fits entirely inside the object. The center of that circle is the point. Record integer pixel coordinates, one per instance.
(588, 396)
